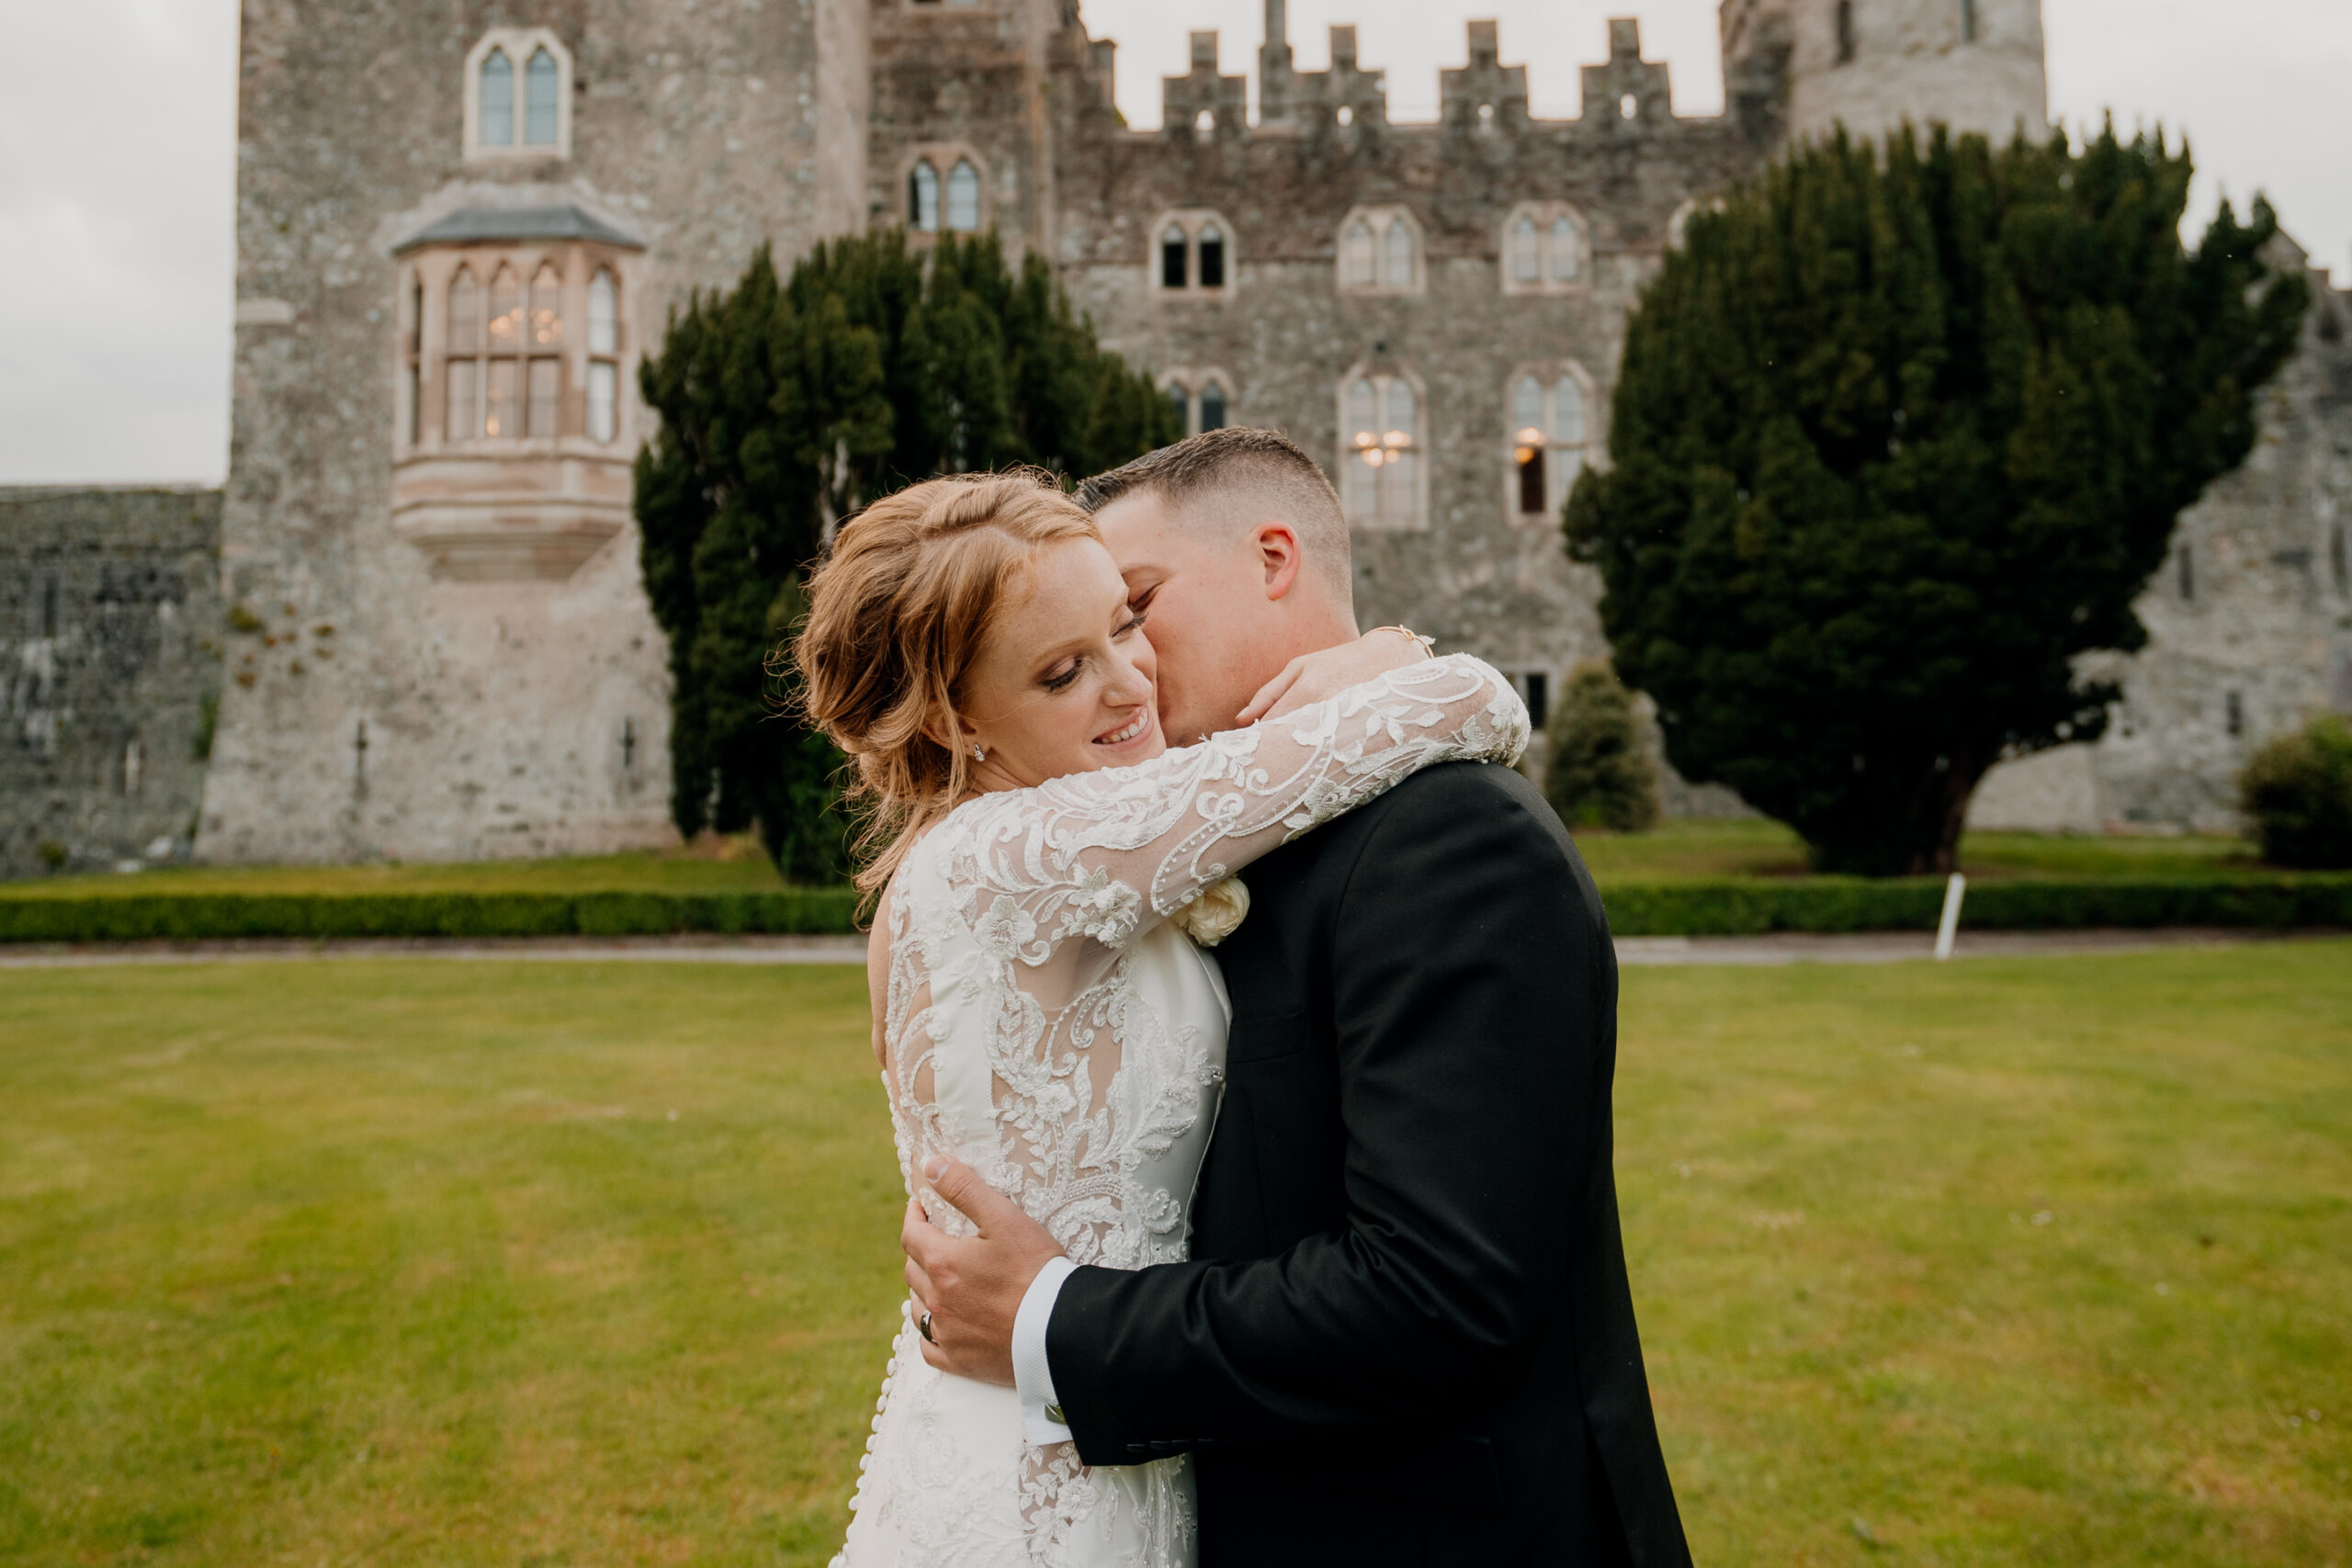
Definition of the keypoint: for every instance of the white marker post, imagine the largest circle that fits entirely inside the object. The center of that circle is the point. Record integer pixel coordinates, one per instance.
(1950, 928)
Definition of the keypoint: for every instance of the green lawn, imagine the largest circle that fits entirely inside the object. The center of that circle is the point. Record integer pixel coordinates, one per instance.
(408, 1262)
(1680, 851)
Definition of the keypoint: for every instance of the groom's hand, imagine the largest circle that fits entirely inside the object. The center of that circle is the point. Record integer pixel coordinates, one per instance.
(972, 1286)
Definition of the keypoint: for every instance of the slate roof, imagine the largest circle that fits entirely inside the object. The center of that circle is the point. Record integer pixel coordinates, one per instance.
(471, 225)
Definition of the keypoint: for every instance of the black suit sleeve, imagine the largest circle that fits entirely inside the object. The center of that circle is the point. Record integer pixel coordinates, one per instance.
(1473, 994)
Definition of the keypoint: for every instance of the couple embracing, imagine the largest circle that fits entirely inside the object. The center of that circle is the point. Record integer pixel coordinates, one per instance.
(1302, 1250)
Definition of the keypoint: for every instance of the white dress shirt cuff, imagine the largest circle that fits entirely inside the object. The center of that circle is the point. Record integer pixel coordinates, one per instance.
(1032, 1378)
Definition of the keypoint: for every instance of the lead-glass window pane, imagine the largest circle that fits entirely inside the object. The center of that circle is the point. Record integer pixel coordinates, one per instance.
(465, 313)
(547, 308)
(497, 121)
(1567, 412)
(603, 315)
(922, 198)
(546, 391)
(604, 400)
(963, 197)
(1398, 264)
(1212, 257)
(1526, 251)
(464, 401)
(502, 407)
(1527, 410)
(1399, 430)
(506, 312)
(1183, 407)
(1356, 254)
(1568, 255)
(1212, 407)
(541, 86)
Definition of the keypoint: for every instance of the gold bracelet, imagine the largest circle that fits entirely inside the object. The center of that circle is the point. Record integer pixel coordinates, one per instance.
(1429, 643)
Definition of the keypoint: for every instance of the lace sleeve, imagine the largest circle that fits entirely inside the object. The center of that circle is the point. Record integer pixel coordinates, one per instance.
(1095, 860)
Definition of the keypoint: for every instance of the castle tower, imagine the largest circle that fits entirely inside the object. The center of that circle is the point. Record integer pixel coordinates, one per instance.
(1870, 66)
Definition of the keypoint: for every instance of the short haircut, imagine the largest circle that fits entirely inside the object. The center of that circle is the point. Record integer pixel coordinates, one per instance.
(1237, 475)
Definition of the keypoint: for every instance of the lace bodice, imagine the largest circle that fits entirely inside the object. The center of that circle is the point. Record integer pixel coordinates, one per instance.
(1045, 1023)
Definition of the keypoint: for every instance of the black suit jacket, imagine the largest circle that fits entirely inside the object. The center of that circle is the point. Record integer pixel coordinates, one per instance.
(1406, 1335)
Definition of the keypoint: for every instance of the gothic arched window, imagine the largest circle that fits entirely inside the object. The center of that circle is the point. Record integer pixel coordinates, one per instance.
(963, 197)
(1381, 445)
(497, 100)
(542, 89)
(1542, 249)
(510, 119)
(1546, 440)
(1175, 266)
(922, 198)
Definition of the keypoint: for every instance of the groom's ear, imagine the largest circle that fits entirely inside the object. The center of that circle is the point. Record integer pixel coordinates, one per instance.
(1280, 557)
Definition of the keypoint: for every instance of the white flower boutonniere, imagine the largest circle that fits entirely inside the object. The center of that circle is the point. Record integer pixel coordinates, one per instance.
(1215, 914)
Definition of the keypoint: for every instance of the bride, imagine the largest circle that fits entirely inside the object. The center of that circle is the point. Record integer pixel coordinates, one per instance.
(1049, 870)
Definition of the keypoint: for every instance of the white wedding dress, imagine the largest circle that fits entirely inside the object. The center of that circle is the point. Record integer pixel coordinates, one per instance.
(1049, 1023)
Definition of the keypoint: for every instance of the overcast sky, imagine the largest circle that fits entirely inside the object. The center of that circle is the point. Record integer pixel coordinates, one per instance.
(118, 127)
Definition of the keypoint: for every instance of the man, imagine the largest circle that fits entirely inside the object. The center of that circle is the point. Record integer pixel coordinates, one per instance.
(1405, 1336)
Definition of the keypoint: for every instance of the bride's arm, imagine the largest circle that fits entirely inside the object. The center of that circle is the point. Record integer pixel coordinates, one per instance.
(1101, 857)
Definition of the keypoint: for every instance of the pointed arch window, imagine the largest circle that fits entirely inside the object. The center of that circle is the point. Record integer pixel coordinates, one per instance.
(1381, 446)
(543, 331)
(1193, 253)
(963, 197)
(1380, 252)
(518, 95)
(1542, 249)
(922, 198)
(542, 90)
(1199, 398)
(1546, 449)
(497, 100)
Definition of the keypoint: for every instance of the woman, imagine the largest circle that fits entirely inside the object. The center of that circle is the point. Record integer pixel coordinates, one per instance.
(1044, 1016)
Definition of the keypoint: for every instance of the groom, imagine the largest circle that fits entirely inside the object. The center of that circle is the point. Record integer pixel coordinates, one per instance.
(1405, 1336)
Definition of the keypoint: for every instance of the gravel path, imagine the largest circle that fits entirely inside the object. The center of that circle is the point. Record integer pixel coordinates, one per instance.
(1872, 947)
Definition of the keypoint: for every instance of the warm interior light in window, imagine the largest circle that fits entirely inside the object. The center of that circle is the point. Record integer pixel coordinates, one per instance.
(506, 312)
(547, 307)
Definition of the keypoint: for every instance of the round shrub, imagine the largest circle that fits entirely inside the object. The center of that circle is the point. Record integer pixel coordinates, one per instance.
(1596, 773)
(2298, 792)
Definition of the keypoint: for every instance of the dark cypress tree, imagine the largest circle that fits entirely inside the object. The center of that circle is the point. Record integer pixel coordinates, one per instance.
(1898, 436)
(786, 405)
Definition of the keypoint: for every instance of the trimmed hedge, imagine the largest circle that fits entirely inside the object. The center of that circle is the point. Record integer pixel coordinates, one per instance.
(1682, 909)
(1848, 904)
(211, 917)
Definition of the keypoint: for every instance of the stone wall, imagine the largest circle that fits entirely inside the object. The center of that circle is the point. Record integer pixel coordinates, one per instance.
(1976, 66)
(110, 633)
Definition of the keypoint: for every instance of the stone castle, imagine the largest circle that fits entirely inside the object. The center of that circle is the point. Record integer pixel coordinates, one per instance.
(459, 229)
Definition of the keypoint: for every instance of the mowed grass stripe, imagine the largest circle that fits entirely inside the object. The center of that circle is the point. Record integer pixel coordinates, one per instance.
(404, 1262)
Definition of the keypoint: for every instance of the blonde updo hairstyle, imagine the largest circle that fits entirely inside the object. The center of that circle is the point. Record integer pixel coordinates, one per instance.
(897, 615)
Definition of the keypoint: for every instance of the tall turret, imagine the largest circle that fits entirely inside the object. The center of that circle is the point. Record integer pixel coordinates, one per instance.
(1872, 64)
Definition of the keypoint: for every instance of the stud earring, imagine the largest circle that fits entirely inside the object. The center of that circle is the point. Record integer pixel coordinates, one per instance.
(979, 754)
